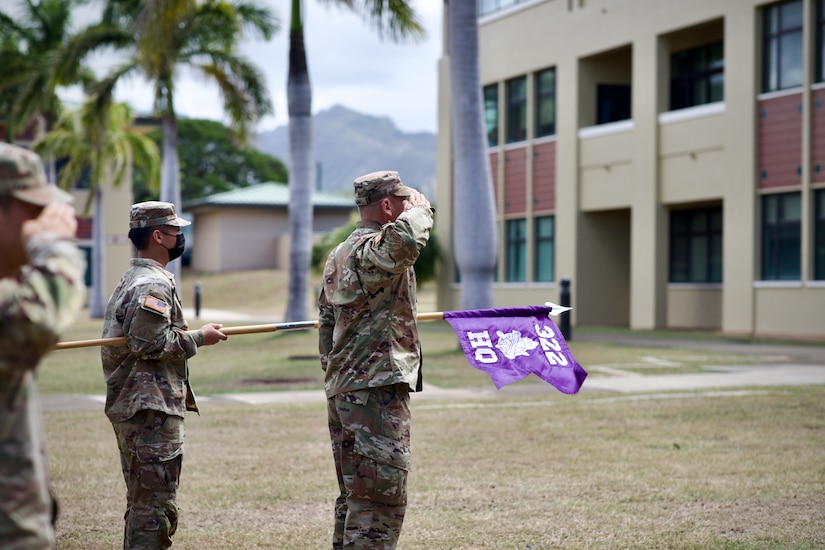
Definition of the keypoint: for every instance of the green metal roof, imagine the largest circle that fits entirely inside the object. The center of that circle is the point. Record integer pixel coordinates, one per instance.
(267, 195)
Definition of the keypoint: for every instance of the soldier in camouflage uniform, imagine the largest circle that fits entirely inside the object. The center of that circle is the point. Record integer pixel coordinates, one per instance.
(41, 291)
(147, 380)
(370, 350)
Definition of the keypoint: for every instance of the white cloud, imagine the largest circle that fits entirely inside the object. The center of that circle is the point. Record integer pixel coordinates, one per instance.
(348, 65)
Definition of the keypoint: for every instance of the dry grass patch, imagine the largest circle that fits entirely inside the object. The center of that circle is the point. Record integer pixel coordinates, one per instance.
(257, 292)
(735, 470)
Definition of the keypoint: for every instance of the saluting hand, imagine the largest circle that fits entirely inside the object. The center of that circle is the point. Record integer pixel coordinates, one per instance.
(416, 199)
(58, 217)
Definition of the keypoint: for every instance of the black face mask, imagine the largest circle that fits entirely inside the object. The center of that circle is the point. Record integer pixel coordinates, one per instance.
(176, 251)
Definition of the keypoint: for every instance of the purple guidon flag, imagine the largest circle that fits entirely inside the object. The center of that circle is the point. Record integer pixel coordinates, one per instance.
(510, 343)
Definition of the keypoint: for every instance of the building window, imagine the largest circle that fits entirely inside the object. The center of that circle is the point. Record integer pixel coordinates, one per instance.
(545, 248)
(517, 109)
(696, 245)
(612, 103)
(546, 103)
(819, 234)
(491, 113)
(782, 46)
(781, 215)
(697, 76)
(486, 7)
(516, 250)
(86, 251)
(820, 40)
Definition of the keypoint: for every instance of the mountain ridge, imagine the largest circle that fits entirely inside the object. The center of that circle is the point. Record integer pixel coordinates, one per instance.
(348, 144)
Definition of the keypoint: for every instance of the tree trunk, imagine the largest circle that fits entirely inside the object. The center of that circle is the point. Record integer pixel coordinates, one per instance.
(96, 299)
(170, 176)
(474, 215)
(299, 98)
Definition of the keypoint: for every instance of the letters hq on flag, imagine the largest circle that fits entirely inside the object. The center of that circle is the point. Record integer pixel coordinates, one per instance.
(510, 343)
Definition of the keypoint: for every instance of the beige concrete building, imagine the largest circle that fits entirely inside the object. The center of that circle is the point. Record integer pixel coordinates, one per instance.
(668, 156)
(248, 228)
(115, 203)
(117, 248)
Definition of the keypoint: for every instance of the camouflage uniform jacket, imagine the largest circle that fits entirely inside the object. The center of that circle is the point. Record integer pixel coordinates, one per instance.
(368, 333)
(151, 371)
(36, 307)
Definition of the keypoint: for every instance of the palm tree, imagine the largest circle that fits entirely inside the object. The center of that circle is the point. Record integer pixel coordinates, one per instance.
(165, 36)
(104, 150)
(26, 81)
(28, 74)
(395, 17)
(474, 215)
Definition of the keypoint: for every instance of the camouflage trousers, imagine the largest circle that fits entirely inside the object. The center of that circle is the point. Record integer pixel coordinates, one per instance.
(370, 434)
(151, 453)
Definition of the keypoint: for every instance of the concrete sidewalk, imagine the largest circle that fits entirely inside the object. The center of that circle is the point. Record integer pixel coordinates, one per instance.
(714, 378)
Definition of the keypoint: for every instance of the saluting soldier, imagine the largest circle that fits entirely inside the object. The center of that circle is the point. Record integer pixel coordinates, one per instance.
(41, 291)
(147, 381)
(371, 352)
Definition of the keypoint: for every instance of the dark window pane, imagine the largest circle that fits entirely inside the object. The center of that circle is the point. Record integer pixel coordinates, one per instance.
(819, 53)
(790, 15)
(697, 76)
(678, 261)
(781, 237)
(545, 249)
(782, 46)
(491, 113)
(517, 109)
(516, 250)
(87, 253)
(546, 103)
(790, 60)
(715, 256)
(699, 246)
(792, 207)
(819, 235)
(696, 245)
(613, 103)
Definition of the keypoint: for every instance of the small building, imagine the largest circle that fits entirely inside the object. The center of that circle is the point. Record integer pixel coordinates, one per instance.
(248, 228)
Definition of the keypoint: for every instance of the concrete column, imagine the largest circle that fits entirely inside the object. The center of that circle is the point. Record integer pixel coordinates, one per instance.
(567, 173)
(648, 223)
(740, 229)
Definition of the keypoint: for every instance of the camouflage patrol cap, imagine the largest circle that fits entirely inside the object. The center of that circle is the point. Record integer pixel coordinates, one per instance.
(377, 185)
(154, 213)
(22, 176)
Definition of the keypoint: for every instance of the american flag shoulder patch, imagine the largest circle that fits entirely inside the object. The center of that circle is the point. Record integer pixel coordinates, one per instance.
(155, 304)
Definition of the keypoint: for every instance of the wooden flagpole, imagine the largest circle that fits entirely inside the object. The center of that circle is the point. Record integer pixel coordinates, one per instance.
(229, 331)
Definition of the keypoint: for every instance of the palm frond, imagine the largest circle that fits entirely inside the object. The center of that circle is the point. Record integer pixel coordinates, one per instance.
(395, 19)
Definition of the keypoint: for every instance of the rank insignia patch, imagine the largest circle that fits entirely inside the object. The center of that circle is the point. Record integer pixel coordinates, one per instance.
(155, 304)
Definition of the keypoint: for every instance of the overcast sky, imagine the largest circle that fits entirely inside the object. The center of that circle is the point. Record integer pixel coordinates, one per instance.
(348, 65)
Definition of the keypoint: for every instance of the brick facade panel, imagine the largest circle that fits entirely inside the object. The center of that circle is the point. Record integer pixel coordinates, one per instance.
(515, 181)
(544, 177)
(780, 141)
